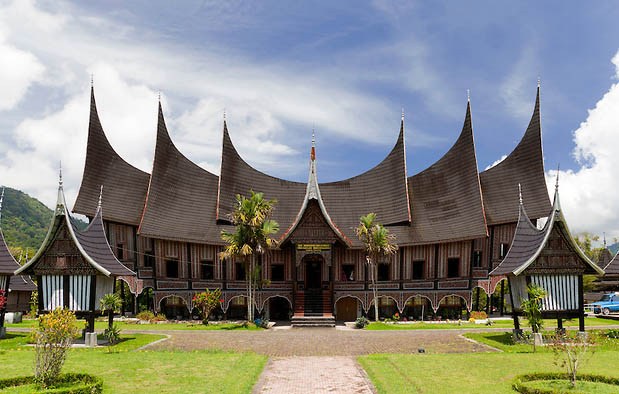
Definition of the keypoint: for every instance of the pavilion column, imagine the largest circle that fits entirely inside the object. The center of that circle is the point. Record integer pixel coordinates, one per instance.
(502, 306)
(581, 305)
(514, 313)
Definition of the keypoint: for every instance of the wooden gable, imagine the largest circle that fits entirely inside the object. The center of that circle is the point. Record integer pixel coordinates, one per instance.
(558, 256)
(62, 257)
(313, 227)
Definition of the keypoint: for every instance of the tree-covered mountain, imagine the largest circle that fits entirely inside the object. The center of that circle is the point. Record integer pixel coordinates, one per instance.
(25, 221)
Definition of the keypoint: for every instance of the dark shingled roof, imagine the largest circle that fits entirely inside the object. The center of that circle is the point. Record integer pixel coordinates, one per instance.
(8, 265)
(524, 166)
(612, 268)
(446, 197)
(604, 258)
(381, 190)
(181, 200)
(238, 177)
(528, 242)
(91, 242)
(21, 283)
(94, 242)
(125, 185)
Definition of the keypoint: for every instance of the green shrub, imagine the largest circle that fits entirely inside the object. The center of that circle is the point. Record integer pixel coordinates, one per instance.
(145, 315)
(112, 334)
(361, 322)
(54, 337)
(520, 386)
(613, 333)
(78, 383)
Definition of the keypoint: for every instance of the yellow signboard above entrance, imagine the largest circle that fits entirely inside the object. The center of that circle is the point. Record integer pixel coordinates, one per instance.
(314, 247)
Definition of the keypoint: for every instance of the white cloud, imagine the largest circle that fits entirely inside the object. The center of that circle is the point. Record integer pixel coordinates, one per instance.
(516, 87)
(588, 195)
(496, 162)
(19, 69)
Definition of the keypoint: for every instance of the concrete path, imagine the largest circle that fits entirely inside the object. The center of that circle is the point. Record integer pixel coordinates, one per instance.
(322, 342)
(309, 375)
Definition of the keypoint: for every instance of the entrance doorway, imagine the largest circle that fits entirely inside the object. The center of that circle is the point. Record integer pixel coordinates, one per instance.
(313, 271)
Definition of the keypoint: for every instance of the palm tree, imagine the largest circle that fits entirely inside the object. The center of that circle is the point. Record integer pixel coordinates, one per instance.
(252, 237)
(110, 303)
(377, 243)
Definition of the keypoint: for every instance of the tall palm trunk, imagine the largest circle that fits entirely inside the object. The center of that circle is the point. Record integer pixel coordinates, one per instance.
(374, 270)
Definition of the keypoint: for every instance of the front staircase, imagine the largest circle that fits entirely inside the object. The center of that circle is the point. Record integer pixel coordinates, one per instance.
(313, 309)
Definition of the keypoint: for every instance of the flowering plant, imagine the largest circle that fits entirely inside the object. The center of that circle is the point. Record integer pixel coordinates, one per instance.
(207, 301)
(2, 300)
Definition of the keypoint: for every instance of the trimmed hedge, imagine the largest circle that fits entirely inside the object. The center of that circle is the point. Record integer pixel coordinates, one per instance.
(82, 383)
(520, 382)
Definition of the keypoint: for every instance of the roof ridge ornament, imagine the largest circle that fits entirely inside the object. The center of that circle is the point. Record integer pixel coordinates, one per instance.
(520, 194)
(402, 113)
(100, 197)
(468, 95)
(313, 150)
(92, 80)
(557, 181)
(539, 82)
(60, 174)
(1, 200)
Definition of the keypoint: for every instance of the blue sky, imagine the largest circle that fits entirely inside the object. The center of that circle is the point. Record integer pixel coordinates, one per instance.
(346, 69)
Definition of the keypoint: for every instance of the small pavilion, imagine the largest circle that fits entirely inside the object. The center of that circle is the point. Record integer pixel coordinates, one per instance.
(75, 269)
(551, 259)
(16, 288)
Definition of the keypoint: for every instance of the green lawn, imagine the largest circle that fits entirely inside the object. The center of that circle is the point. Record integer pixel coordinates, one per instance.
(101, 325)
(125, 370)
(589, 322)
(474, 372)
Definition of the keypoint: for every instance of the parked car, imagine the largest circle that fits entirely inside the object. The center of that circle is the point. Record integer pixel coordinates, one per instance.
(607, 304)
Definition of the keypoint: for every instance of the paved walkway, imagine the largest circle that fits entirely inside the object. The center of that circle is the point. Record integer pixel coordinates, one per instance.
(309, 375)
(322, 342)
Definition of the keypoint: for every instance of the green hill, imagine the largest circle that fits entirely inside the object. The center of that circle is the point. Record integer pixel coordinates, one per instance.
(25, 221)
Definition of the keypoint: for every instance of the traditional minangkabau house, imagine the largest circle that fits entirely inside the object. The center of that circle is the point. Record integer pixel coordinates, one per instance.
(453, 225)
(75, 268)
(16, 288)
(548, 258)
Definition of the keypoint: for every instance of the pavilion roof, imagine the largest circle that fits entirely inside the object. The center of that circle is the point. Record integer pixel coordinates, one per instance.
(91, 242)
(528, 242)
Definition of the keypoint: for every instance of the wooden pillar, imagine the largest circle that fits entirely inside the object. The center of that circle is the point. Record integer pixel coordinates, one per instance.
(477, 299)
(502, 306)
(122, 296)
(488, 302)
(514, 314)
(581, 305)
(559, 323)
(90, 317)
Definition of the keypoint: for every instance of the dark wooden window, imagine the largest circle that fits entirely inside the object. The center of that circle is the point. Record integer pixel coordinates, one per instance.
(418, 269)
(239, 271)
(277, 272)
(477, 259)
(453, 267)
(348, 272)
(207, 269)
(149, 260)
(503, 248)
(383, 272)
(171, 268)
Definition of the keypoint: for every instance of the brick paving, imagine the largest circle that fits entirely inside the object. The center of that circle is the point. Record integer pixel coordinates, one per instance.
(322, 342)
(309, 375)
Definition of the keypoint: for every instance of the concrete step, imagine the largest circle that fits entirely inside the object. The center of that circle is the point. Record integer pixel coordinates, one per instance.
(313, 321)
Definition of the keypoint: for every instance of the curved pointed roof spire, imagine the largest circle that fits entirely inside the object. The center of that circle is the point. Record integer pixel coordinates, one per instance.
(1, 201)
(524, 165)
(125, 195)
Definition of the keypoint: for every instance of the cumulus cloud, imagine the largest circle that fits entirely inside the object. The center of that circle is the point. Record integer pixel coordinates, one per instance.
(19, 70)
(588, 196)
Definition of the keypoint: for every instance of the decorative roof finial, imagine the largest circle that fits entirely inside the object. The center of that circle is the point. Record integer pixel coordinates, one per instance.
(100, 197)
(313, 151)
(557, 182)
(539, 81)
(1, 199)
(92, 80)
(224, 114)
(468, 94)
(60, 174)
(159, 96)
(402, 114)
(604, 239)
(520, 194)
